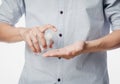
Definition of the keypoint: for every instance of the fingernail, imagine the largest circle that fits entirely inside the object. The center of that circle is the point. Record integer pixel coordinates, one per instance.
(45, 47)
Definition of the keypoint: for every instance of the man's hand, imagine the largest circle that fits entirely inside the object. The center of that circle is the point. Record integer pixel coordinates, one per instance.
(67, 52)
(107, 42)
(34, 36)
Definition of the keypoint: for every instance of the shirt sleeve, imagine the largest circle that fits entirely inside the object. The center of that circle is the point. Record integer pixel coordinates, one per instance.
(112, 12)
(11, 11)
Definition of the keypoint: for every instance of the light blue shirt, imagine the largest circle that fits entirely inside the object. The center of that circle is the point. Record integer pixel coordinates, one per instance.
(76, 20)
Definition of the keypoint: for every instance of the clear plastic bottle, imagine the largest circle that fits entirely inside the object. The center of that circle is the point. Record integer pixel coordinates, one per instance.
(48, 37)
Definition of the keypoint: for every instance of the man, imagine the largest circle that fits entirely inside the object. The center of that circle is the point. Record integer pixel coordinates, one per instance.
(81, 38)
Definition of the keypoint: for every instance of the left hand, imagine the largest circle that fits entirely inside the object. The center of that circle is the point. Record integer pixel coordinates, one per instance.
(67, 52)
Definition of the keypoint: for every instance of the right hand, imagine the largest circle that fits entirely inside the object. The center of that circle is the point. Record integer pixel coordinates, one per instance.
(32, 37)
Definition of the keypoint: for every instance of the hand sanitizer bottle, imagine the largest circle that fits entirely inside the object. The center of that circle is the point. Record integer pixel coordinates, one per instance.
(48, 37)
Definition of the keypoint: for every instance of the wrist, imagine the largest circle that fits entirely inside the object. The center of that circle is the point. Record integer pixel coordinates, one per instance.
(92, 46)
(22, 32)
(85, 47)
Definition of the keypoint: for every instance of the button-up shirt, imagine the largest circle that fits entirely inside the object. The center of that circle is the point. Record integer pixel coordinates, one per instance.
(75, 20)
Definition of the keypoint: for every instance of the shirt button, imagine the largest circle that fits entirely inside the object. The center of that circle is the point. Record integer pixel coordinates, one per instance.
(59, 79)
(59, 57)
(61, 12)
(60, 35)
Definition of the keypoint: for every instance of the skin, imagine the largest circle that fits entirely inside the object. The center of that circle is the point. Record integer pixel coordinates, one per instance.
(31, 36)
(108, 42)
(11, 34)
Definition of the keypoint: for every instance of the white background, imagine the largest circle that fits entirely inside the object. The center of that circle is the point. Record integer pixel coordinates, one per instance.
(12, 61)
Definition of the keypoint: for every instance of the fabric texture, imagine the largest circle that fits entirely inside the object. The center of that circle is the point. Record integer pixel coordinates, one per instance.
(76, 20)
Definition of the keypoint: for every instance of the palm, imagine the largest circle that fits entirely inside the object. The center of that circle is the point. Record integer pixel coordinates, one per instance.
(67, 52)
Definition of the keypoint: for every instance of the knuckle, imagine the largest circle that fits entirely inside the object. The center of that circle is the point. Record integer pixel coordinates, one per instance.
(35, 41)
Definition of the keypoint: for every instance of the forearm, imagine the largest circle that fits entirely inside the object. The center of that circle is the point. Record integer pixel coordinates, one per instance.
(108, 42)
(9, 33)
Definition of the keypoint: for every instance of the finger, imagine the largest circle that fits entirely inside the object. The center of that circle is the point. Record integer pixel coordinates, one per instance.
(51, 53)
(55, 53)
(51, 43)
(41, 38)
(30, 44)
(46, 27)
(63, 53)
(35, 41)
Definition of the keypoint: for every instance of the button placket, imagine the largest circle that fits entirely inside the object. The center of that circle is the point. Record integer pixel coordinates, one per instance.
(60, 36)
(61, 24)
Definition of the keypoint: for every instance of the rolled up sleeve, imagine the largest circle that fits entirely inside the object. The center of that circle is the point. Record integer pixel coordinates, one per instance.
(112, 12)
(11, 11)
